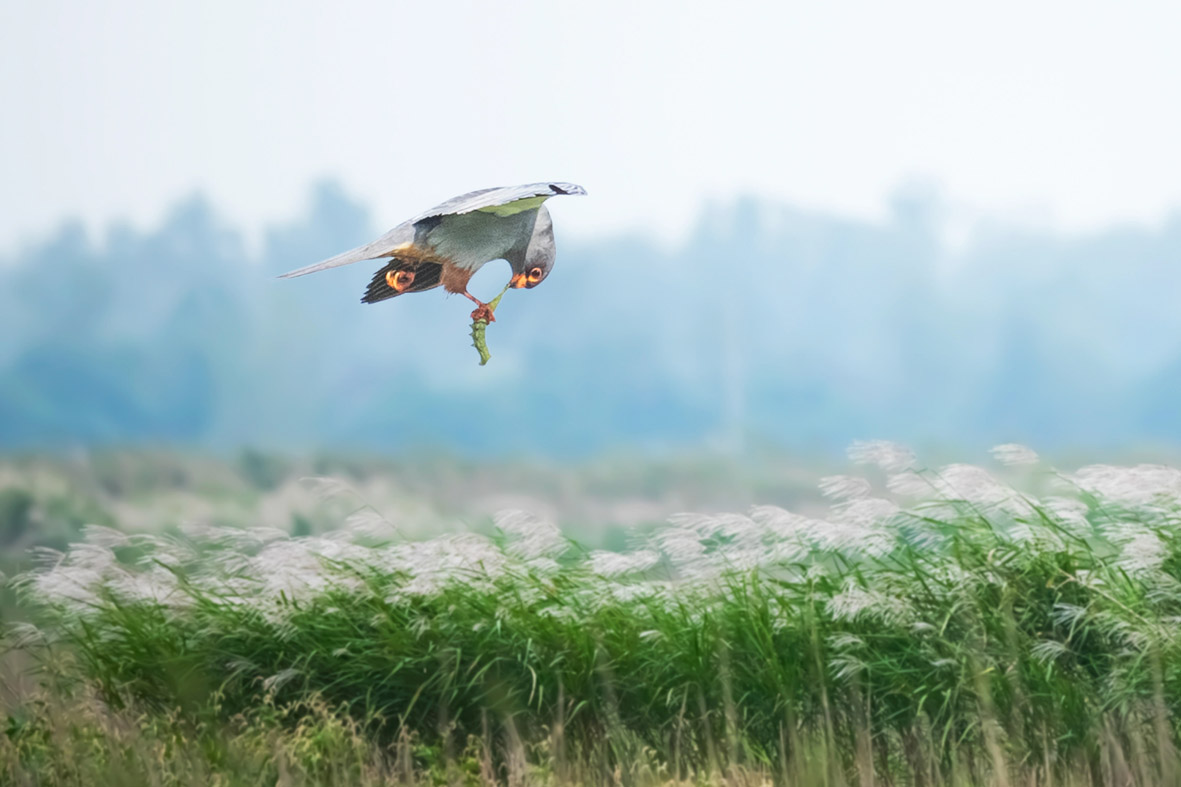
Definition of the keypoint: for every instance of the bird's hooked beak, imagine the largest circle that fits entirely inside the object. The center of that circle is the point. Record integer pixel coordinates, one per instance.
(518, 281)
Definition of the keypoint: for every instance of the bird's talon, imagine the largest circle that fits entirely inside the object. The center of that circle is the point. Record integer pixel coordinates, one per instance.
(482, 312)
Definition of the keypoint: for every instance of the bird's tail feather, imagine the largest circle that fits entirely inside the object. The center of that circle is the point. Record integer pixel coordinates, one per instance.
(416, 275)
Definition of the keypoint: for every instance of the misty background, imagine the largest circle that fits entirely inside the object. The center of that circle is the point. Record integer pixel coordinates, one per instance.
(768, 327)
(950, 226)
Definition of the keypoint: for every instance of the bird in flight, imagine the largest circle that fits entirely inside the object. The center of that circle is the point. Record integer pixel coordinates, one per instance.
(447, 244)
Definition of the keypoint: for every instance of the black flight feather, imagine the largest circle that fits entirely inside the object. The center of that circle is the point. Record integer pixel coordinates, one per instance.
(426, 276)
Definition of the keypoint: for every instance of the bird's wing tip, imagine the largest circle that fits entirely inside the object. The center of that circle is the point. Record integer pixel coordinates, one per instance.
(566, 189)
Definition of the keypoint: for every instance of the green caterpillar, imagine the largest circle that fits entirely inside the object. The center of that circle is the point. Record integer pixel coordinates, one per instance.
(480, 326)
(479, 342)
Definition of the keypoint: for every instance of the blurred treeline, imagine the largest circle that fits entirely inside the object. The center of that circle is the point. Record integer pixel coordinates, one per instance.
(768, 327)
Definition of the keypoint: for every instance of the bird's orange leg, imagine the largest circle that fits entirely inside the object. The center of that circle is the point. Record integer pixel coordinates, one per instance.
(482, 312)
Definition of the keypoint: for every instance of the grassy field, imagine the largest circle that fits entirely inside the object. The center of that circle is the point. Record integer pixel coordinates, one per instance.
(1019, 625)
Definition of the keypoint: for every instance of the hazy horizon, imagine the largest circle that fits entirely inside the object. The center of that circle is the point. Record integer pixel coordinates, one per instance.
(770, 327)
(806, 224)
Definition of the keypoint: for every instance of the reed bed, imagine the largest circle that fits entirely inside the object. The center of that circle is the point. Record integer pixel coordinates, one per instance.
(936, 626)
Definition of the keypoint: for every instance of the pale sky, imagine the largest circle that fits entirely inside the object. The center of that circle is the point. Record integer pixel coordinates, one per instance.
(1060, 113)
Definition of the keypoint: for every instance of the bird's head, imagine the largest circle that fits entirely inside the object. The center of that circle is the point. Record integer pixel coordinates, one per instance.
(538, 260)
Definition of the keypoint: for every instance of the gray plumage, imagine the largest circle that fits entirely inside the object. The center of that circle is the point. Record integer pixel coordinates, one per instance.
(469, 230)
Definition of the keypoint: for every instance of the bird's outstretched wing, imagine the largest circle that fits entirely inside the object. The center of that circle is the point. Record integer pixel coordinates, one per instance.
(384, 246)
(402, 276)
(502, 201)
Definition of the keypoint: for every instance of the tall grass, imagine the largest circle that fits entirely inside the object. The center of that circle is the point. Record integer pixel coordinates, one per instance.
(949, 629)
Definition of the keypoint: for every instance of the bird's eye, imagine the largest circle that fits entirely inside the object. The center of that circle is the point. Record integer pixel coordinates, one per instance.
(535, 275)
